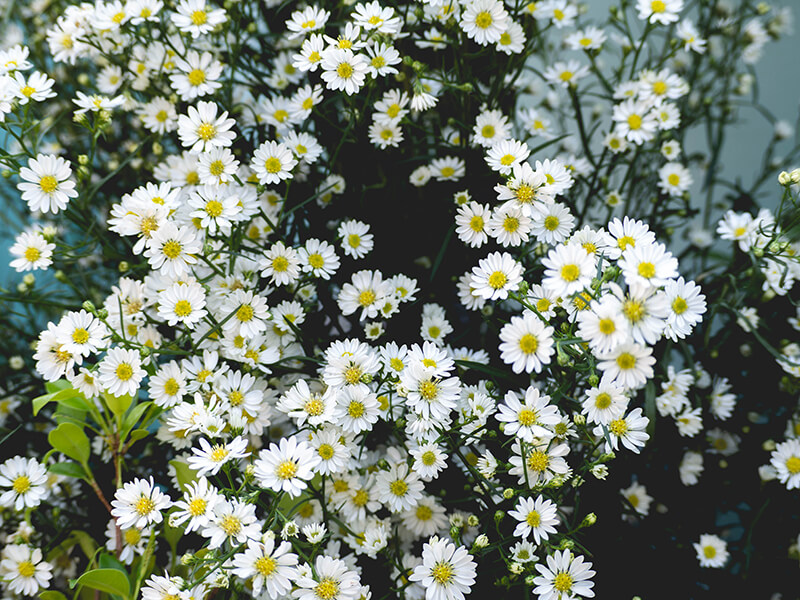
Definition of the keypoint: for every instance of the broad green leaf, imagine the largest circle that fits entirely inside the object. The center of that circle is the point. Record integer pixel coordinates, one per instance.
(52, 595)
(67, 396)
(110, 581)
(139, 434)
(118, 404)
(70, 440)
(57, 386)
(68, 469)
(109, 562)
(183, 473)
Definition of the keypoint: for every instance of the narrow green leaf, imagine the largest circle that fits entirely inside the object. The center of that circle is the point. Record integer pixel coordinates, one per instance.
(110, 581)
(133, 416)
(70, 440)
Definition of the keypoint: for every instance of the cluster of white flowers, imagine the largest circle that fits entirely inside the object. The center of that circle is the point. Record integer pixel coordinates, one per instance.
(306, 433)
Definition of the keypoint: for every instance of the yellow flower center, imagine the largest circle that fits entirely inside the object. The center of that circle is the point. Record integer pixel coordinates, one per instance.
(21, 484)
(48, 184)
(562, 582)
(476, 223)
(633, 310)
(635, 122)
(124, 371)
(145, 506)
(497, 280)
(626, 361)
(646, 269)
(327, 589)
(618, 427)
(231, 525)
(344, 70)
(483, 19)
(679, 306)
(183, 308)
(27, 91)
(196, 77)
(199, 17)
(32, 254)
(325, 451)
(488, 131)
(355, 409)
(26, 569)
(132, 536)
(245, 313)
(538, 461)
(602, 400)
(533, 519)
(442, 573)
(218, 453)
(366, 297)
(551, 223)
(286, 470)
(423, 512)
(658, 6)
(570, 272)
(427, 390)
(398, 487)
(526, 417)
(793, 465)
(510, 224)
(197, 507)
(265, 566)
(528, 343)
(448, 171)
(172, 249)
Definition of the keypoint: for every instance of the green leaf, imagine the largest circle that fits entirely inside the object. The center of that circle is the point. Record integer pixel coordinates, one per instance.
(57, 386)
(110, 581)
(52, 595)
(109, 562)
(85, 541)
(67, 396)
(70, 440)
(68, 469)
(133, 417)
(138, 434)
(118, 404)
(183, 473)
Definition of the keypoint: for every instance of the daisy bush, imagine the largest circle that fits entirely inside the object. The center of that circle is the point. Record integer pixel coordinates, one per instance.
(350, 300)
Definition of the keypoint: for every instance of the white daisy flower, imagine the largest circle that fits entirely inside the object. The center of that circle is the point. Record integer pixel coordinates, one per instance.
(629, 365)
(648, 265)
(318, 258)
(139, 503)
(47, 184)
(27, 480)
(712, 551)
(171, 249)
(565, 576)
(526, 343)
(281, 264)
(268, 568)
(536, 516)
(24, 570)
(447, 571)
(471, 221)
(484, 21)
(568, 269)
(332, 579)
(197, 506)
(196, 18)
(182, 303)
(532, 419)
(201, 129)
(196, 75)
(273, 162)
(356, 241)
(233, 521)
(343, 70)
(630, 430)
(209, 459)
(121, 372)
(33, 252)
(786, 461)
(496, 275)
(604, 403)
(286, 466)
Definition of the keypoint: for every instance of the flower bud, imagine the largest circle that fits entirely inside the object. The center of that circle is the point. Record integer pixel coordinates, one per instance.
(29, 279)
(589, 520)
(508, 493)
(481, 541)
